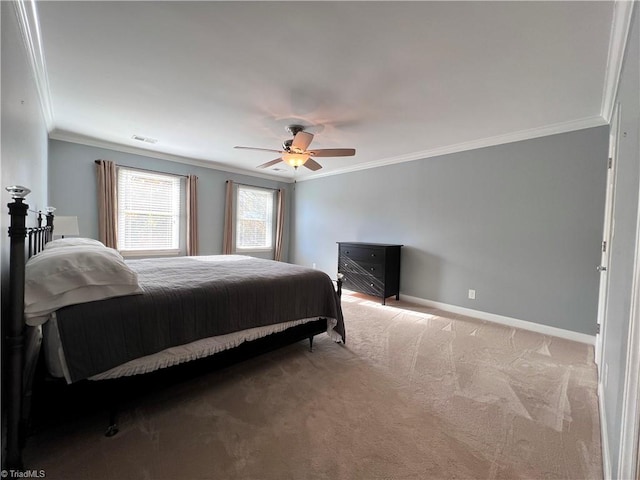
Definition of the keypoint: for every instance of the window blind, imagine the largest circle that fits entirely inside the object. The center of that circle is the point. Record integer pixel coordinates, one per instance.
(149, 207)
(254, 218)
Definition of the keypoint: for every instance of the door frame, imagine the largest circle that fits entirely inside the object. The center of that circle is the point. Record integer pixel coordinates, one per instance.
(629, 457)
(607, 235)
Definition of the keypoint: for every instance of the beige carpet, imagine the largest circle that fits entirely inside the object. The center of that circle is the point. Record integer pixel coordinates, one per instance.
(415, 394)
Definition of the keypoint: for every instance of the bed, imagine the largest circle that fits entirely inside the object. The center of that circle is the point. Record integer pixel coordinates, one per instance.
(103, 317)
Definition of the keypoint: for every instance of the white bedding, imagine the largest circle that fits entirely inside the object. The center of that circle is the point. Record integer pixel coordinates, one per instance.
(70, 273)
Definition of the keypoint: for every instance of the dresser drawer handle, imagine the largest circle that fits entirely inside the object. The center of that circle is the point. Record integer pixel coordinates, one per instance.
(373, 269)
(372, 284)
(373, 254)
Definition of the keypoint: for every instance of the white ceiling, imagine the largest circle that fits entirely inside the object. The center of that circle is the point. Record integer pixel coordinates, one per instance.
(397, 81)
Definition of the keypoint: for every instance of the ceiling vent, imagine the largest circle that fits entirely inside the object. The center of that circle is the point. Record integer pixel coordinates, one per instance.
(144, 139)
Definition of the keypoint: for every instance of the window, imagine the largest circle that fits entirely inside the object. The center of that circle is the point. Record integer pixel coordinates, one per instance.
(150, 213)
(254, 219)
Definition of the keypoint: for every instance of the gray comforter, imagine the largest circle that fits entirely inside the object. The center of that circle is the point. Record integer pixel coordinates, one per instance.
(188, 298)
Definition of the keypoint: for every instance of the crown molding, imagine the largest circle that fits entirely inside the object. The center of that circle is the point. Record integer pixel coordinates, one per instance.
(518, 136)
(620, 24)
(27, 16)
(521, 135)
(94, 142)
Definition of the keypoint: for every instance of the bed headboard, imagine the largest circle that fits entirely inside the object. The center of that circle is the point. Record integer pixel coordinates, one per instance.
(14, 340)
(40, 235)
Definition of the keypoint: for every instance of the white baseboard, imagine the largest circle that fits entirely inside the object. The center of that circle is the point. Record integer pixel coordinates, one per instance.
(511, 322)
(604, 439)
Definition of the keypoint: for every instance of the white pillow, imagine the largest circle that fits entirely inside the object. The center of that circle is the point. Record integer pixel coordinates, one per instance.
(73, 242)
(59, 277)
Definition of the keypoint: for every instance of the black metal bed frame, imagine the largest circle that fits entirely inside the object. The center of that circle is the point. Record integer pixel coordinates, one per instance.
(17, 339)
(23, 343)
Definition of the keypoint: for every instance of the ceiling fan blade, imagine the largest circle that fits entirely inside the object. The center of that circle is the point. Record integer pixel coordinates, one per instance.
(302, 140)
(312, 164)
(333, 152)
(261, 149)
(268, 164)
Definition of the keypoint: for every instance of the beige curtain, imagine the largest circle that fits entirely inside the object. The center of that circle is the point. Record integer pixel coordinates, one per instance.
(192, 215)
(107, 203)
(227, 243)
(279, 226)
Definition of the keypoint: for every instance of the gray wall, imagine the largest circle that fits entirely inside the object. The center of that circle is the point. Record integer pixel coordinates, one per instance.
(623, 244)
(24, 133)
(72, 187)
(520, 223)
(23, 155)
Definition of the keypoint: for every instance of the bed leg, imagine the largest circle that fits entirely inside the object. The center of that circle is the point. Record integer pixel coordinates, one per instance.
(311, 343)
(112, 429)
(112, 397)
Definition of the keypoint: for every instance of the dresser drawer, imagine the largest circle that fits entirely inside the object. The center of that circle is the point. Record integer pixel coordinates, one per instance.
(349, 265)
(363, 283)
(369, 254)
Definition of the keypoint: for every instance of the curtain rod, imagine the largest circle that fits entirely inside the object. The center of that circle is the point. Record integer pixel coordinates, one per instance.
(253, 186)
(147, 170)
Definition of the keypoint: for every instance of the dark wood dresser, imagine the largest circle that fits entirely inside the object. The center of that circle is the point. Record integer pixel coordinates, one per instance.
(370, 268)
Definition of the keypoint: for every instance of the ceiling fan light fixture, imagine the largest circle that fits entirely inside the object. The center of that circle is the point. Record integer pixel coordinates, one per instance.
(295, 159)
(294, 151)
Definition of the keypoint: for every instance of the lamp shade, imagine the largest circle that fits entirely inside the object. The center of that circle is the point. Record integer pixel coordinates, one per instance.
(295, 159)
(66, 226)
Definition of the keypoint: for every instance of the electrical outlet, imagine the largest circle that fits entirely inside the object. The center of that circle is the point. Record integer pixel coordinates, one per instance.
(472, 294)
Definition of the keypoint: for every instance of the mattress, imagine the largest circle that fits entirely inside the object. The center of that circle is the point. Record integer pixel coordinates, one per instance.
(226, 299)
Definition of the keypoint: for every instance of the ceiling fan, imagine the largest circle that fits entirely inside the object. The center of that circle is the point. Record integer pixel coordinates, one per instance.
(294, 152)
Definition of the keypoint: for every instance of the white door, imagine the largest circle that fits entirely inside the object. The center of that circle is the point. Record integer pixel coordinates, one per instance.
(607, 235)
